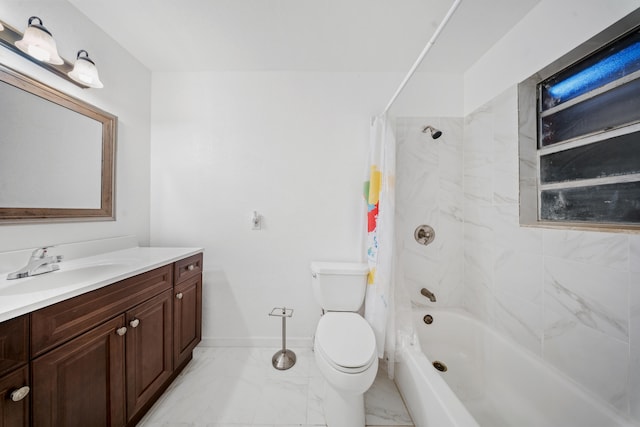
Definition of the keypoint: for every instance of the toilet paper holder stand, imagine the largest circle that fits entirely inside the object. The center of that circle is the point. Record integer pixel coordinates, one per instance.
(283, 359)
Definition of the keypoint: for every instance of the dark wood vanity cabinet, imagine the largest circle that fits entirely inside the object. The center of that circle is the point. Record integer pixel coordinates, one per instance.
(14, 372)
(103, 358)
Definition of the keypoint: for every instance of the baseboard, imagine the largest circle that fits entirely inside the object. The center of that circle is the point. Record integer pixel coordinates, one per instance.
(269, 342)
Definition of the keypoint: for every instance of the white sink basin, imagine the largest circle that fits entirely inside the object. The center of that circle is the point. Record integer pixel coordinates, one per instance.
(65, 277)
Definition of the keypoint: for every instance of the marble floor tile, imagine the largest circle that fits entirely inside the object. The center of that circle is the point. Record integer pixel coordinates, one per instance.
(238, 387)
(383, 404)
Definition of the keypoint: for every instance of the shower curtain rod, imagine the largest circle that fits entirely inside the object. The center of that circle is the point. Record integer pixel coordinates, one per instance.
(426, 49)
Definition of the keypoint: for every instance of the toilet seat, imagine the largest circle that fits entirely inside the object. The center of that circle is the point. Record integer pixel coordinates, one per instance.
(346, 341)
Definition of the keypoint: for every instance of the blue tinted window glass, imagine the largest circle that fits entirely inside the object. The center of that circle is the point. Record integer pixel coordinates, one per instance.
(608, 110)
(603, 67)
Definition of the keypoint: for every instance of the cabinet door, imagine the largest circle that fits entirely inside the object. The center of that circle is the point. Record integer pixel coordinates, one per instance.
(148, 350)
(14, 413)
(81, 383)
(187, 327)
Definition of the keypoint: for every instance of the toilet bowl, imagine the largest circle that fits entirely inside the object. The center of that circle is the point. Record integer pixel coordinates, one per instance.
(345, 353)
(344, 344)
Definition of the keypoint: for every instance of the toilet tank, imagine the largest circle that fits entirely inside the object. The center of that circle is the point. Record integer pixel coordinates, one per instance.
(339, 286)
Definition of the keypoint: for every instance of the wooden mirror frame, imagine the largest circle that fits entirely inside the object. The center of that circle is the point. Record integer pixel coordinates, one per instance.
(106, 212)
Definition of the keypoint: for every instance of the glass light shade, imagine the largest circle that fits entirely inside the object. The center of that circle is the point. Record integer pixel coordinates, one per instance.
(38, 42)
(85, 71)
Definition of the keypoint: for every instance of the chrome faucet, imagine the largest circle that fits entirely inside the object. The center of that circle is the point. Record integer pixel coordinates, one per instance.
(39, 263)
(427, 293)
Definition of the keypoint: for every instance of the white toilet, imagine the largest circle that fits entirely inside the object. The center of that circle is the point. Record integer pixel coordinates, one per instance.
(344, 345)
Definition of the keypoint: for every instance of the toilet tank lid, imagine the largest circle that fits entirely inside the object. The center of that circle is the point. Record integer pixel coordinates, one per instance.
(348, 268)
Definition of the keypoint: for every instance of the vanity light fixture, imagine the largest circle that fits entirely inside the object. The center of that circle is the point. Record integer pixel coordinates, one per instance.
(38, 42)
(37, 45)
(85, 71)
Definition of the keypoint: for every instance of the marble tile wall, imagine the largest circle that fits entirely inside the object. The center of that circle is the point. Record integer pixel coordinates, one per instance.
(570, 297)
(634, 326)
(429, 191)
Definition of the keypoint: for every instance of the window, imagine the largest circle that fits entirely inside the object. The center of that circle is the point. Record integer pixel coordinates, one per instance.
(587, 156)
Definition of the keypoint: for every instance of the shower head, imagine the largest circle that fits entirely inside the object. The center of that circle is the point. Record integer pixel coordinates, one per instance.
(435, 133)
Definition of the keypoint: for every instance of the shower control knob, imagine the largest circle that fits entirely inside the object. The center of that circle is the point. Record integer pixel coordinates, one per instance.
(424, 234)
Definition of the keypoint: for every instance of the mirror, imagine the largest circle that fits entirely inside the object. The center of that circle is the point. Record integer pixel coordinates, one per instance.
(56, 154)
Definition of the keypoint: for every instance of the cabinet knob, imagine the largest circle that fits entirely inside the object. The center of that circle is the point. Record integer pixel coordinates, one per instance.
(121, 331)
(19, 394)
(179, 295)
(134, 323)
(191, 267)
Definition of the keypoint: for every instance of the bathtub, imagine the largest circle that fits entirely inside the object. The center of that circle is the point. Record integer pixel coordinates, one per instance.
(489, 382)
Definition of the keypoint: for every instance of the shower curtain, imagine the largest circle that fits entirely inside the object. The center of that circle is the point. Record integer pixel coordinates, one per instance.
(380, 194)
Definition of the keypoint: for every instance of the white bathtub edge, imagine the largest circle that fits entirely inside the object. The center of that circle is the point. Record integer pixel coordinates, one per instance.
(430, 401)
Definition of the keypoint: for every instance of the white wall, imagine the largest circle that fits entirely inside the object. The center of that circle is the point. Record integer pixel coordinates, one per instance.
(570, 297)
(126, 94)
(550, 30)
(291, 145)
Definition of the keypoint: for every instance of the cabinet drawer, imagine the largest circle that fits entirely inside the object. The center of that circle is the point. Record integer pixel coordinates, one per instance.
(14, 343)
(60, 322)
(187, 268)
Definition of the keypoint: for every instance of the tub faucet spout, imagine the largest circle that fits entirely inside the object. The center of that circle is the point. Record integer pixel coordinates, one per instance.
(427, 293)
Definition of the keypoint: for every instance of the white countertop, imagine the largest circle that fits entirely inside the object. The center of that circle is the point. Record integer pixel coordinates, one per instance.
(81, 275)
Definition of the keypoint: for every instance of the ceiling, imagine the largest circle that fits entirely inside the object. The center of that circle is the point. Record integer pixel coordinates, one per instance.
(303, 35)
